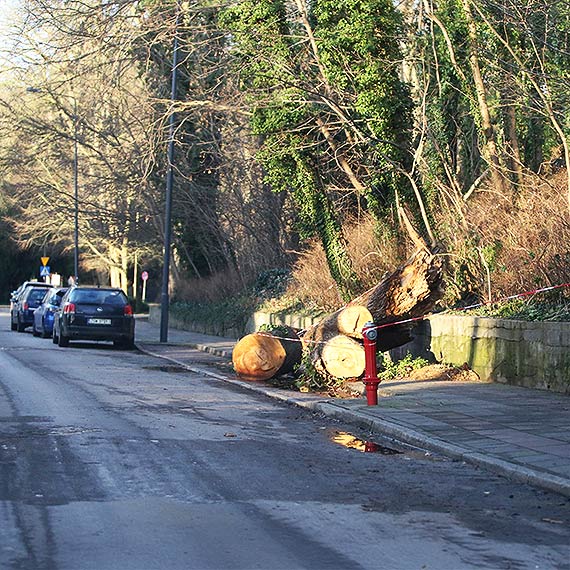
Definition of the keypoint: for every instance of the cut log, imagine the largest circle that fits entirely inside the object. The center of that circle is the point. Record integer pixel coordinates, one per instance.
(343, 357)
(351, 320)
(264, 355)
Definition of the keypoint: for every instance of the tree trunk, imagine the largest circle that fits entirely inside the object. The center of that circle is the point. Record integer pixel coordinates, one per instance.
(491, 151)
(333, 344)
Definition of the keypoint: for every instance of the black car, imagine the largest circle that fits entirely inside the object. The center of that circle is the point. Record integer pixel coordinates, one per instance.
(25, 300)
(95, 313)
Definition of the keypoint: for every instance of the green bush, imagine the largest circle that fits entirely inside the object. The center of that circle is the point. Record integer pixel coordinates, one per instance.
(391, 370)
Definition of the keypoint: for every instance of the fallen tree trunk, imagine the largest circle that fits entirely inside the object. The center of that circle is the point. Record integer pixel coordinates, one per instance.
(334, 344)
(409, 292)
(263, 355)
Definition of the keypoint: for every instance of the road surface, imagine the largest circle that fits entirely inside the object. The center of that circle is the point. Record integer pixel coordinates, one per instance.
(112, 459)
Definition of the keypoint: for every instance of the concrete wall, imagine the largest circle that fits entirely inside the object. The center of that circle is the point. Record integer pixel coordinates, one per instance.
(531, 354)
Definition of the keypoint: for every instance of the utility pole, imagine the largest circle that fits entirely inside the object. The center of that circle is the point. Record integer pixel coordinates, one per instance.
(164, 297)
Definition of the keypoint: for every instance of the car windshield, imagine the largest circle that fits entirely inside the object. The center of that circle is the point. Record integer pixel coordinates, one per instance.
(98, 297)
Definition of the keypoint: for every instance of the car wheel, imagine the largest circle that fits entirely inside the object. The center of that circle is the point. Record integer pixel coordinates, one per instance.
(20, 326)
(12, 325)
(62, 341)
(126, 344)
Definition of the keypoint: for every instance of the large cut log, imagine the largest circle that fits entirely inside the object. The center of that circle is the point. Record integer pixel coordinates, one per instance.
(350, 320)
(342, 357)
(263, 355)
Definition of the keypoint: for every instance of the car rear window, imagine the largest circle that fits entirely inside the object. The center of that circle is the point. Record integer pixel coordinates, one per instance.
(54, 298)
(98, 297)
(36, 294)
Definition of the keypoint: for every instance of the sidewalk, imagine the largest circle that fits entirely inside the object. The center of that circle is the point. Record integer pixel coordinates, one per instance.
(517, 432)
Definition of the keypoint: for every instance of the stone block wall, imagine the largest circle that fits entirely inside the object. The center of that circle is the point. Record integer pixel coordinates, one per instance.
(531, 354)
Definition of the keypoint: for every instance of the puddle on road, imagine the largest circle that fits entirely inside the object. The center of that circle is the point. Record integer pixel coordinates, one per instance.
(365, 446)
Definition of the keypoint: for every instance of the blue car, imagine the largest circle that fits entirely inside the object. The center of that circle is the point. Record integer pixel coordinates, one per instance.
(43, 315)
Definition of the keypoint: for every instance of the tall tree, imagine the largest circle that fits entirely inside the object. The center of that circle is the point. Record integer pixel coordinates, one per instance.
(323, 87)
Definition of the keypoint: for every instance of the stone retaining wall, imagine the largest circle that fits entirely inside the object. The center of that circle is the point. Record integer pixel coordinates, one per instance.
(253, 324)
(531, 354)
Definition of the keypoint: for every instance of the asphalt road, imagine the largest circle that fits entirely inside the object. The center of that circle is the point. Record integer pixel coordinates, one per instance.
(116, 460)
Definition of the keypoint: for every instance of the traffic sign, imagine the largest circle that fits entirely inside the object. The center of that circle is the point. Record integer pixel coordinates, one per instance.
(45, 271)
(144, 275)
(44, 260)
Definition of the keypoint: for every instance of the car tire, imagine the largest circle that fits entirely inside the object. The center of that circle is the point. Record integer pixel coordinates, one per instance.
(126, 344)
(12, 325)
(63, 340)
(20, 326)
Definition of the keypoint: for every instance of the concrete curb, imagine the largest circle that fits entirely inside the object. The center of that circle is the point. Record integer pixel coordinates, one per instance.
(383, 427)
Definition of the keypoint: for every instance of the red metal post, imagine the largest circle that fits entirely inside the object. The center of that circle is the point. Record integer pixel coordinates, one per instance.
(371, 381)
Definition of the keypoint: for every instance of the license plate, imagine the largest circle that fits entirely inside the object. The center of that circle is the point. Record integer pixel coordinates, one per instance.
(98, 321)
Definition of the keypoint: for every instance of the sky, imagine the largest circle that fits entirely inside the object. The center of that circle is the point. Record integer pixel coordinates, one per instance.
(8, 9)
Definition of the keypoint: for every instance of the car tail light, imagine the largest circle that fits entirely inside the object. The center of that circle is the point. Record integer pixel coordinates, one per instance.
(69, 308)
(128, 310)
(25, 306)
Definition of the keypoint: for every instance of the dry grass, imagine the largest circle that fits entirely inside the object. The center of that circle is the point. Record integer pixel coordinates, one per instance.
(210, 289)
(512, 243)
(372, 255)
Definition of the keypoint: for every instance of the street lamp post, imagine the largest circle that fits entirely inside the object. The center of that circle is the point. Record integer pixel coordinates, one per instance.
(75, 198)
(75, 186)
(164, 297)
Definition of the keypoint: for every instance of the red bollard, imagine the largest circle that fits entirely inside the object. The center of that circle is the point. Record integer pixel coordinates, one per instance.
(371, 381)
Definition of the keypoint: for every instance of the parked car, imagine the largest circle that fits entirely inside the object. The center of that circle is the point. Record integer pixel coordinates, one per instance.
(15, 294)
(95, 313)
(24, 302)
(44, 314)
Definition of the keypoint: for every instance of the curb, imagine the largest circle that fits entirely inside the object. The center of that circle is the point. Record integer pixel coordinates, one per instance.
(405, 435)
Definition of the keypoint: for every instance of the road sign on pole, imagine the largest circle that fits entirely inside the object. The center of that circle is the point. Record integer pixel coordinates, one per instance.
(45, 271)
(44, 260)
(144, 277)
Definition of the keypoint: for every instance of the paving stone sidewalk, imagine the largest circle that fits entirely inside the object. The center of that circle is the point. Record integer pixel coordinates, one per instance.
(517, 432)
